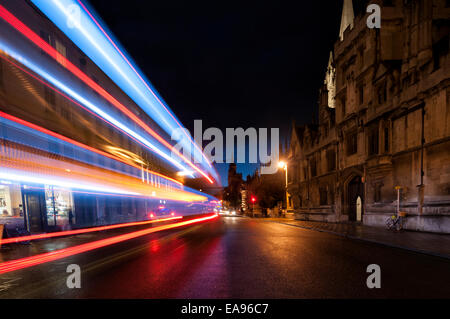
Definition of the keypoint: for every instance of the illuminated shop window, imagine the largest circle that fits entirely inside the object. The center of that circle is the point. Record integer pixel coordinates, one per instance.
(59, 204)
(10, 200)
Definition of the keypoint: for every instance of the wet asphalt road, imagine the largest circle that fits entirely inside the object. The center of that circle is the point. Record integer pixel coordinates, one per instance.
(236, 257)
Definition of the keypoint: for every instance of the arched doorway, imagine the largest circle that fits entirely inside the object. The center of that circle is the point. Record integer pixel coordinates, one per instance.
(358, 209)
(355, 199)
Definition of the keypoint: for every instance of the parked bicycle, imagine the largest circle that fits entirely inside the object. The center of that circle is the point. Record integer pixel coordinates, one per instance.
(395, 222)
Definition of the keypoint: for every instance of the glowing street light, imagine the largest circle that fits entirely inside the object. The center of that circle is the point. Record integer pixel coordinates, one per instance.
(283, 165)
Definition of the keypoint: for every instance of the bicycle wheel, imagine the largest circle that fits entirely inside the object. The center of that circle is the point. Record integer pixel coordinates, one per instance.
(389, 223)
(400, 222)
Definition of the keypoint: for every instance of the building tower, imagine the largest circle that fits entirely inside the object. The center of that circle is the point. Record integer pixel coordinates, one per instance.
(330, 82)
(347, 18)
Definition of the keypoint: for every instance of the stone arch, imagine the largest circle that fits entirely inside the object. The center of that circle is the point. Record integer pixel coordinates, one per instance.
(353, 187)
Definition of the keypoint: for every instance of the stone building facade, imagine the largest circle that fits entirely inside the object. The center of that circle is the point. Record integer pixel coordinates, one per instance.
(384, 122)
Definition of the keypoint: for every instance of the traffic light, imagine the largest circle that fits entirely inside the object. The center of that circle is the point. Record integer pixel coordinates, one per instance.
(253, 199)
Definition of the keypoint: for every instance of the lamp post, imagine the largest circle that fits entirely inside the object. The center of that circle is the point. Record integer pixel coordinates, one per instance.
(283, 165)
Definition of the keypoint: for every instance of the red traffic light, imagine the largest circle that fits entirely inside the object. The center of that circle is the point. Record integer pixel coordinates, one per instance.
(253, 199)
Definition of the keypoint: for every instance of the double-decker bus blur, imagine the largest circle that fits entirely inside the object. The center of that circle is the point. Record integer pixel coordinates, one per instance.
(84, 138)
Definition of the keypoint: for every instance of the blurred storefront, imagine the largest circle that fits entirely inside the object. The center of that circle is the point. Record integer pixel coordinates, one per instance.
(35, 209)
(11, 208)
(59, 207)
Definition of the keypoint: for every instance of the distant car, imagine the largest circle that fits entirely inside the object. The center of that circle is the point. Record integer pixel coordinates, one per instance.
(226, 212)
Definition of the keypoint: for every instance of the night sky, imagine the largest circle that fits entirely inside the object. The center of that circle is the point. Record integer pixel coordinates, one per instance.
(231, 64)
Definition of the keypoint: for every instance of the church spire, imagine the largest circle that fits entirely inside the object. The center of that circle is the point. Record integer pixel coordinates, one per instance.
(330, 60)
(330, 82)
(347, 17)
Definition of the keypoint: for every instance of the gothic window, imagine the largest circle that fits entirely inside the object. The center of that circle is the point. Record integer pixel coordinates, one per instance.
(323, 194)
(331, 160)
(361, 93)
(352, 143)
(377, 192)
(361, 57)
(373, 140)
(440, 51)
(343, 106)
(332, 118)
(405, 82)
(386, 139)
(331, 196)
(382, 93)
(326, 129)
(312, 165)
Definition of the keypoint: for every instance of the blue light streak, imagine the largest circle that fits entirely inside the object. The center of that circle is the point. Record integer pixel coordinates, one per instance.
(90, 39)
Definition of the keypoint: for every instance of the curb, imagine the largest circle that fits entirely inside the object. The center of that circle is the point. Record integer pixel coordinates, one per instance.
(425, 252)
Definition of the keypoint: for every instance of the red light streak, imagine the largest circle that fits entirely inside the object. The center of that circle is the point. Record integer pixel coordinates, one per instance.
(84, 230)
(47, 48)
(26, 262)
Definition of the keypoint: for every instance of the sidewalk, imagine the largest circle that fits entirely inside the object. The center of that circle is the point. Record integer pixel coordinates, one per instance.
(425, 243)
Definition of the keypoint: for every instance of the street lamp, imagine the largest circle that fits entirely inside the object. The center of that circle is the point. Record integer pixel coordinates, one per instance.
(283, 165)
